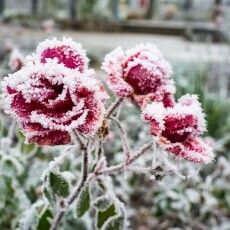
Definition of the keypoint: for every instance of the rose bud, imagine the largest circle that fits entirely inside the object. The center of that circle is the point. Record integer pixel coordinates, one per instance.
(176, 129)
(140, 73)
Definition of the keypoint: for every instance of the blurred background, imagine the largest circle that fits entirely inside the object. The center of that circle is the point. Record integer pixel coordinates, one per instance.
(194, 36)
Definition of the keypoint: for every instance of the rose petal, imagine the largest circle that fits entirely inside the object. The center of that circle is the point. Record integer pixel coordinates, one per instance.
(66, 52)
(193, 149)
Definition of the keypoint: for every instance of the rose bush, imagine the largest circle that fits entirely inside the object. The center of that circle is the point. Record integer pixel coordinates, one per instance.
(56, 96)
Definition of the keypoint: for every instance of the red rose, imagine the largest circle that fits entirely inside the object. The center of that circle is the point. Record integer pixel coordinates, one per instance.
(177, 128)
(49, 101)
(140, 73)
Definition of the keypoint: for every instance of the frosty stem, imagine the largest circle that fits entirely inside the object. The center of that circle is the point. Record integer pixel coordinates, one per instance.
(77, 190)
(124, 138)
(113, 107)
(86, 177)
(121, 167)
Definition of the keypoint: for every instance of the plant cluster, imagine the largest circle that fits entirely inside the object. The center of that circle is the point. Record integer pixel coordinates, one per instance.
(56, 99)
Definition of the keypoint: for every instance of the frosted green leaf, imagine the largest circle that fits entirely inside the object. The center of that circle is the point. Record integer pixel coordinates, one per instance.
(114, 223)
(103, 202)
(59, 185)
(102, 216)
(83, 202)
(44, 220)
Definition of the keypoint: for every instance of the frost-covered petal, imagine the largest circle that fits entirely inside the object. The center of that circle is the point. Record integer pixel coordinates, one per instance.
(113, 62)
(161, 95)
(66, 52)
(184, 119)
(181, 125)
(101, 91)
(154, 113)
(35, 133)
(191, 104)
(95, 111)
(51, 137)
(143, 51)
(193, 149)
(113, 67)
(178, 127)
(150, 57)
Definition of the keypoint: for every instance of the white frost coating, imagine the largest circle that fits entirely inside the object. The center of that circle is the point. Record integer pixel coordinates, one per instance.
(189, 105)
(112, 62)
(55, 123)
(205, 156)
(74, 47)
(113, 67)
(150, 53)
(155, 111)
(57, 162)
(145, 49)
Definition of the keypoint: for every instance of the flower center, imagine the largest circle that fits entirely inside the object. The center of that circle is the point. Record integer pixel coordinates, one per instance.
(179, 129)
(142, 80)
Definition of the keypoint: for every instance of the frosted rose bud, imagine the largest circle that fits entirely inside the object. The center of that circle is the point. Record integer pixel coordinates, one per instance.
(177, 128)
(16, 60)
(140, 73)
(66, 52)
(49, 100)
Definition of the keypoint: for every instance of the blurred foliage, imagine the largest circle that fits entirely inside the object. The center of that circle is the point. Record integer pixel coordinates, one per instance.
(86, 9)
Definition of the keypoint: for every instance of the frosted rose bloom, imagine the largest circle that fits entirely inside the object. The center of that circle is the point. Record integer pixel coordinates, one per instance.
(177, 129)
(16, 60)
(49, 100)
(140, 73)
